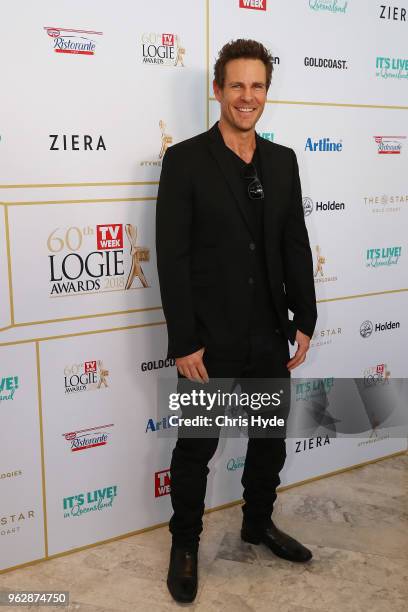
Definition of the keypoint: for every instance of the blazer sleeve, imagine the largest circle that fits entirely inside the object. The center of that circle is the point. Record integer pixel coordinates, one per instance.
(174, 215)
(298, 262)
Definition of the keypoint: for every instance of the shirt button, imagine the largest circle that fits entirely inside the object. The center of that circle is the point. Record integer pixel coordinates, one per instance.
(252, 246)
(251, 280)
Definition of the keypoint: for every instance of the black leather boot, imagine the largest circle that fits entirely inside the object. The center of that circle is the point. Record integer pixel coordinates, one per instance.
(280, 543)
(182, 576)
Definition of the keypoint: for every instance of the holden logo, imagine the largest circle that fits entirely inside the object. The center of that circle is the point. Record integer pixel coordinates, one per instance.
(307, 206)
(366, 329)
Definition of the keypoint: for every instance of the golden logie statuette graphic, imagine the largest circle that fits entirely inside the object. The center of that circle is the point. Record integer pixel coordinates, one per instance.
(103, 374)
(166, 139)
(320, 260)
(180, 53)
(138, 254)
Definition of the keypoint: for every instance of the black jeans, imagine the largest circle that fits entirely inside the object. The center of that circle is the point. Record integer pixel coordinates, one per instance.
(265, 456)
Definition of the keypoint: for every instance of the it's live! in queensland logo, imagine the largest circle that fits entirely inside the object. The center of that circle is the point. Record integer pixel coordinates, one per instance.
(90, 501)
(68, 40)
(8, 387)
(94, 259)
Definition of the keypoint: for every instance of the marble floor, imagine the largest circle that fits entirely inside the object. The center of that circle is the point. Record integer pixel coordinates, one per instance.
(356, 524)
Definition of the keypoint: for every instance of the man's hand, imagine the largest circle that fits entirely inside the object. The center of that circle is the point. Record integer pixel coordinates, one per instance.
(192, 366)
(303, 343)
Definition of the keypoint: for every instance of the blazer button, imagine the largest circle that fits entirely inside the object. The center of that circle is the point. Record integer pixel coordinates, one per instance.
(251, 280)
(252, 246)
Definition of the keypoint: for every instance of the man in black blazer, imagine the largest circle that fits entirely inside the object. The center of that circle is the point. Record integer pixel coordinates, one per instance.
(233, 257)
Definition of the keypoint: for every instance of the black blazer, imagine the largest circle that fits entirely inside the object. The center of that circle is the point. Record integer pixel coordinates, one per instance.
(203, 237)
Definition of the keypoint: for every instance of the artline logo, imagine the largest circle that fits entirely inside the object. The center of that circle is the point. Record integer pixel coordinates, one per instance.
(162, 483)
(389, 144)
(324, 62)
(331, 6)
(149, 366)
(83, 439)
(86, 376)
(367, 327)
(8, 387)
(323, 145)
(13, 474)
(259, 5)
(235, 464)
(162, 49)
(378, 374)
(153, 425)
(76, 142)
(319, 271)
(385, 203)
(77, 267)
(391, 68)
(268, 136)
(78, 42)
(12, 523)
(91, 501)
(324, 336)
(393, 13)
(166, 141)
(311, 443)
(309, 206)
(385, 256)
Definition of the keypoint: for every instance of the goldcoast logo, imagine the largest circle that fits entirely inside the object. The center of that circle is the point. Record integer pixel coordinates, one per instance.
(8, 387)
(87, 376)
(67, 40)
(77, 267)
(391, 68)
(162, 49)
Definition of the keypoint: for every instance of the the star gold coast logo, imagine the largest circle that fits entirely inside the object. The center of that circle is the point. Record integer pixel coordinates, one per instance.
(86, 376)
(94, 260)
(320, 275)
(385, 203)
(166, 140)
(162, 49)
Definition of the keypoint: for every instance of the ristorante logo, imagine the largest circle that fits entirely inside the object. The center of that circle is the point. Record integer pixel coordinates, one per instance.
(309, 206)
(324, 145)
(259, 5)
(389, 145)
(76, 142)
(88, 438)
(394, 13)
(331, 6)
(86, 376)
(162, 483)
(68, 40)
(162, 49)
(368, 327)
(391, 67)
(12, 524)
(8, 387)
(385, 203)
(384, 256)
(91, 501)
(77, 267)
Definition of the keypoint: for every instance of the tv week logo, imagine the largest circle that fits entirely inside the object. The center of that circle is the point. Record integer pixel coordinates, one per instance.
(259, 5)
(109, 236)
(162, 483)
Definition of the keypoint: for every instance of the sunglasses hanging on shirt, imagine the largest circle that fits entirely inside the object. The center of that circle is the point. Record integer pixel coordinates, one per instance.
(255, 189)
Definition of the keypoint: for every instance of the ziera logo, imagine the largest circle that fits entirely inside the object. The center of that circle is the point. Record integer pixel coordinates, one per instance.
(323, 145)
(394, 13)
(259, 5)
(67, 40)
(75, 142)
(83, 439)
(389, 144)
(8, 387)
(162, 483)
(162, 49)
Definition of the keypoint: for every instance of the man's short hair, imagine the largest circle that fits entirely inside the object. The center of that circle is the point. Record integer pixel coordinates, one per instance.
(242, 48)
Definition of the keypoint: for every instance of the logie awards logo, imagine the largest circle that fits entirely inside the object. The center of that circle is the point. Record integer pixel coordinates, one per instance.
(86, 376)
(162, 49)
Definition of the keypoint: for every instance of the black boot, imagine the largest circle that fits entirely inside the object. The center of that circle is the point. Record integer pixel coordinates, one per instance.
(182, 576)
(280, 543)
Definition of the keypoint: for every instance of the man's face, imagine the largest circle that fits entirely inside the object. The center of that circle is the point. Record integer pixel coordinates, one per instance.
(243, 96)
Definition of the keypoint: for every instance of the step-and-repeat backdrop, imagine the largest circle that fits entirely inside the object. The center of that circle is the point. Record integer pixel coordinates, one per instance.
(92, 95)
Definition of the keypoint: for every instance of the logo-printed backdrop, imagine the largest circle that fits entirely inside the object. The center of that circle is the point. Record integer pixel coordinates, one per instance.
(91, 101)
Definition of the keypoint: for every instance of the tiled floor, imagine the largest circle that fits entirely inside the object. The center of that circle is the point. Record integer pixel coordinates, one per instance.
(356, 524)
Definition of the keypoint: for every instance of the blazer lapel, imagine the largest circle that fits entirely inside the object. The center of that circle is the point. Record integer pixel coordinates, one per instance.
(218, 150)
(269, 180)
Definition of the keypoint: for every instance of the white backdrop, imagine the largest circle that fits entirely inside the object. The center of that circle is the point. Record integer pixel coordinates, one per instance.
(82, 340)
